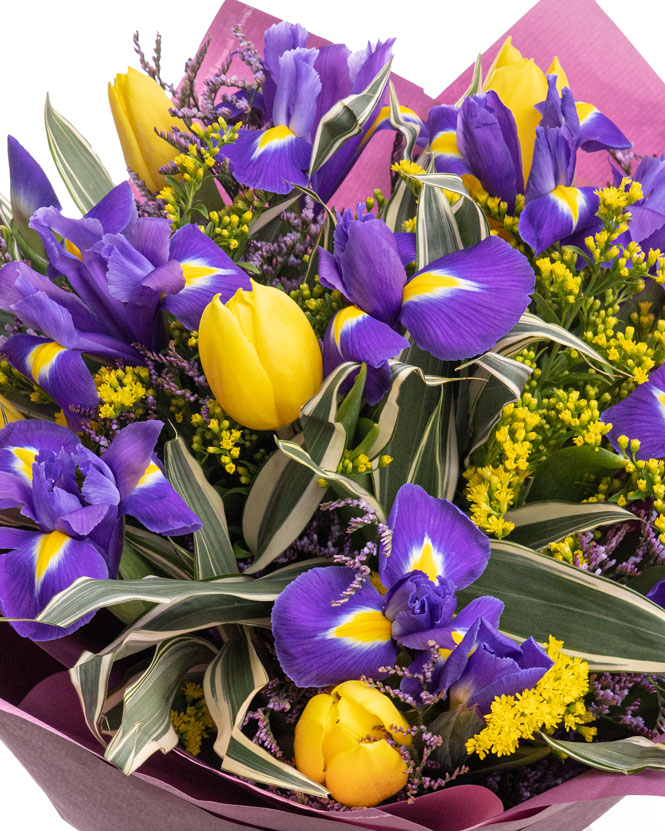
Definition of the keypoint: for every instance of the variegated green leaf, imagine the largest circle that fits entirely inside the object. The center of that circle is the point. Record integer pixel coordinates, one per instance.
(408, 129)
(436, 230)
(213, 550)
(231, 682)
(540, 523)
(495, 382)
(86, 595)
(400, 207)
(342, 485)
(345, 119)
(417, 424)
(476, 81)
(272, 215)
(82, 172)
(168, 558)
(285, 495)
(146, 725)
(196, 612)
(610, 626)
(471, 222)
(531, 328)
(631, 755)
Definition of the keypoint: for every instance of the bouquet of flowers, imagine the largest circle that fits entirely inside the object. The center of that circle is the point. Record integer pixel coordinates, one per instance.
(332, 448)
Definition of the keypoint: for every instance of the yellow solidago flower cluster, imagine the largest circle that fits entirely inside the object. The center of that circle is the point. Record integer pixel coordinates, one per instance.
(557, 279)
(122, 390)
(193, 724)
(557, 700)
(216, 435)
(319, 304)
(497, 211)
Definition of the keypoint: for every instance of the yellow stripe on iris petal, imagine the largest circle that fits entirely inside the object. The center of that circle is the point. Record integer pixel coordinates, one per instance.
(569, 197)
(41, 358)
(348, 316)
(366, 626)
(70, 248)
(457, 637)
(25, 458)
(435, 282)
(48, 549)
(428, 560)
(584, 110)
(273, 136)
(149, 475)
(384, 118)
(195, 270)
(445, 143)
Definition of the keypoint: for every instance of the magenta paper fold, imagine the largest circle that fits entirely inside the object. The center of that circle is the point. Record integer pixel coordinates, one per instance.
(46, 732)
(602, 66)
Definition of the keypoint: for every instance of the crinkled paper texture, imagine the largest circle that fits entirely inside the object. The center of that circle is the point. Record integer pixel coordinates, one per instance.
(40, 717)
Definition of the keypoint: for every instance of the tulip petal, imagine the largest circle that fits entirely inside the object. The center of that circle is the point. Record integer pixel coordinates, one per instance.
(366, 775)
(641, 415)
(272, 159)
(462, 303)
(557, 215)
(309, 734)
(597, 132)
(433, 536)
(229, 359)
(207, 271)
(40, 567)
(59, 371)
(319, 644)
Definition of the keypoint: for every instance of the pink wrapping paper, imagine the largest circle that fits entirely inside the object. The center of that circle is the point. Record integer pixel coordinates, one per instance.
(40, 717)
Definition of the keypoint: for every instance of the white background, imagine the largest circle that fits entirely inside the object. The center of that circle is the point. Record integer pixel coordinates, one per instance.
(73, 48)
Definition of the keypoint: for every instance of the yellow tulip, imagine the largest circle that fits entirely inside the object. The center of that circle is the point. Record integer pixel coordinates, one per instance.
(8, 412)
(328, 746)
(139, 104)
(521, 84)
(260, 356)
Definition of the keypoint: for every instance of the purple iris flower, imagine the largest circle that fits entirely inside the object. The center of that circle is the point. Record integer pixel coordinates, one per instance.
(481, 664)
(488, 142)
(641, 415)
(657, 593)
(555, 210)
(301, 86)
(125, 272)
(647, 224)
(76, 501)
(456, 307)
(435, 550)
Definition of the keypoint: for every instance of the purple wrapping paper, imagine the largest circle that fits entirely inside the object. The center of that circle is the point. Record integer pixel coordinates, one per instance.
(40, 717)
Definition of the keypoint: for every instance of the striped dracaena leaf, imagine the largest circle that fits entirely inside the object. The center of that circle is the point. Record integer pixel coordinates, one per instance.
(82, 172)
(417, 430)
(476, 81)
(213, 550)
(196, 611)
(436, 230)
(345, 119)
(146, 725)
(531, 328)
(631, 755)
(167, 557)
(231, 681)
(609, 625)
(494, 382)
(408, 129)
(540, 523)
(285, 494)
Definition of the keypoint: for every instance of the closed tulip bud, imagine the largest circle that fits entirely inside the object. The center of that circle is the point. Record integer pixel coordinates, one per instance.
(328, 744)
(260, 356)
(139, 104)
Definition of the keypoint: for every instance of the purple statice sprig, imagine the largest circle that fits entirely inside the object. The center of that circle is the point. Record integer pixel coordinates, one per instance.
(152, 68)
(619, 698)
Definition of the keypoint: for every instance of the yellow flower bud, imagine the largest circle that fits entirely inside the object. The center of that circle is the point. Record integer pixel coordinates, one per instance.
(328, 744)
(139, 105)
(260, 356)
